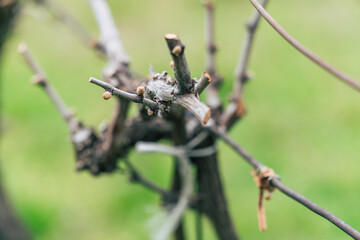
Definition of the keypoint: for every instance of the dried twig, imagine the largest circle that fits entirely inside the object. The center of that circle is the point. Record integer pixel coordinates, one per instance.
(241, 75)
(124, 95)
(275, 182)
(138, 178)
(41, 80)
(72, 23)
(236, 108)
(109, 35)
(304, 50)
(213, 98)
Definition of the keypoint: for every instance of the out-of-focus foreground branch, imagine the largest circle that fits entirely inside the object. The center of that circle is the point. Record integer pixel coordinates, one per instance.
(304, 50)
(10, 226)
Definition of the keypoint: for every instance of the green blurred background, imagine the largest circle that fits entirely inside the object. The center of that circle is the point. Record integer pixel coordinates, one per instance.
(301, 121)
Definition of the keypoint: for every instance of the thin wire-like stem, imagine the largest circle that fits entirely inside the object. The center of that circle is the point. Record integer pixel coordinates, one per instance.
(304, 50)
(247, 157)
(315, 208)
(275, 182)
(72, 23)
(240, 73)
(137, 177)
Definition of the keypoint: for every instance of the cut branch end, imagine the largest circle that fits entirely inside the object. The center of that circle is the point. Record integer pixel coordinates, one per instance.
(172, 36)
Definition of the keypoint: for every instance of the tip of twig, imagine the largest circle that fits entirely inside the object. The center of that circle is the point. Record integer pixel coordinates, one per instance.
(171, 36)
(208, 4)
(22, 47)
(91, 79)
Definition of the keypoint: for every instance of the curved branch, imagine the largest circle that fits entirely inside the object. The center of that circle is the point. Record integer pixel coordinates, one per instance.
(304, 50)
(275, 182)
(138, 178)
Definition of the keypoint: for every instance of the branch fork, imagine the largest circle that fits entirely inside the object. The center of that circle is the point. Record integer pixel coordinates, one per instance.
(162, 91)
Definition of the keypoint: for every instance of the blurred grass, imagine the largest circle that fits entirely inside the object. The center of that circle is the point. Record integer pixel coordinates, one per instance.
(301, 121)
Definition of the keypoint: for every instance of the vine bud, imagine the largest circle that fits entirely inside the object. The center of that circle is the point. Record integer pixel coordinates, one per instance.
(176, 50)
(107, 95)
(140, 90)
(150, 112)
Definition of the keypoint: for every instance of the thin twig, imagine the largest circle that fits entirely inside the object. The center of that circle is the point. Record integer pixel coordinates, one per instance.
(213, 98)
(124, 95)
(41, 80)
(109, 35)
(139, 178)
(304, 50)
(72, 23)
(236, 108)
(241, 75)
(275, 182)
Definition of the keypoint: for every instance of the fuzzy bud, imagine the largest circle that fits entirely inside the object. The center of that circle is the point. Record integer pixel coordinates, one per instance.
(150, 112)
(172, 64)
(140, 90)
(107, 95)
(176, 50)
